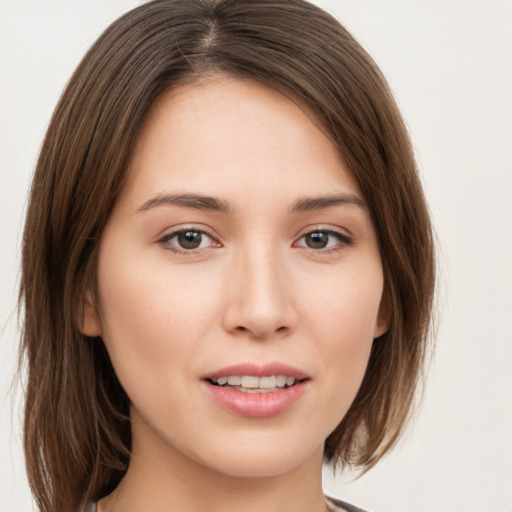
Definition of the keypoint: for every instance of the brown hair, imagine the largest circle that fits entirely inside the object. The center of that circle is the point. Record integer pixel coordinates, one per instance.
(77, 430)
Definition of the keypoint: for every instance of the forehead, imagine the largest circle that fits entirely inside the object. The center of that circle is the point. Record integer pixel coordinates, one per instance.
(230, 138)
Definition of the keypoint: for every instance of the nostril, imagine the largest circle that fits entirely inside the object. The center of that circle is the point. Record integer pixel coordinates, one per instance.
(261, 333)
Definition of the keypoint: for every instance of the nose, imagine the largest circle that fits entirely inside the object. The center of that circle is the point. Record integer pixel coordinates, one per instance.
(259, 297)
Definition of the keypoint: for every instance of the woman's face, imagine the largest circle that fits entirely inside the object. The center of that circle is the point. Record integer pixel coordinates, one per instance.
(240, 250)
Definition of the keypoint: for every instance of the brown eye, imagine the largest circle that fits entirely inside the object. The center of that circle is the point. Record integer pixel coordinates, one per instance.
(317, 240)
(324, 239)
(189, 239)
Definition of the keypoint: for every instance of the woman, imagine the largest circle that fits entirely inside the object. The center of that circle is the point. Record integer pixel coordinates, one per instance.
(228, 265)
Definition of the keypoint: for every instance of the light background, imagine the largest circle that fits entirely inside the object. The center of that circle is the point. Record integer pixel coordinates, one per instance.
(449, 63)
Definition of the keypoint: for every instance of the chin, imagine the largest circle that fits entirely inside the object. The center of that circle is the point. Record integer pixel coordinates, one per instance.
(260, 460)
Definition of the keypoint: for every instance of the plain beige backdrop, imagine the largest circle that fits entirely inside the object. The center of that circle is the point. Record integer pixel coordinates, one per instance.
(450, 65)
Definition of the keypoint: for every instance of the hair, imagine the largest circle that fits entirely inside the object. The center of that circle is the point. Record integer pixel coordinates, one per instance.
(77, 431)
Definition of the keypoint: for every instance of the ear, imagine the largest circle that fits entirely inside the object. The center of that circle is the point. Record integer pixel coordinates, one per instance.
(383, 317)
(90, 322)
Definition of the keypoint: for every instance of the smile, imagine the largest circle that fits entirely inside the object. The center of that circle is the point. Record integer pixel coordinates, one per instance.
(256, 391)
(254, 384)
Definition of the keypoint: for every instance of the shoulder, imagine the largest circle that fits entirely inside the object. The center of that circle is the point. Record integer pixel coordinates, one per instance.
(341, 506)
(334, 504)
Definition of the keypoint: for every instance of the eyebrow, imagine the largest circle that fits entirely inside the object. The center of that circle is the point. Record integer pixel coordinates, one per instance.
(200, 202)
(196, 201)
(307, 204)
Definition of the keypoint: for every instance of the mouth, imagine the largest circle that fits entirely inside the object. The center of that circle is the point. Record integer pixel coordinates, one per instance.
(257, 391)
(255, 384)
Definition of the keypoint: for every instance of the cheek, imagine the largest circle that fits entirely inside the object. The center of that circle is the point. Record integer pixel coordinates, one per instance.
(347, 306)
(153, 319)
(341, 319)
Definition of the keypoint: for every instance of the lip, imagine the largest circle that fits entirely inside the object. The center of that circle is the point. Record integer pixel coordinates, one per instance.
(264, 370)
(256, 405)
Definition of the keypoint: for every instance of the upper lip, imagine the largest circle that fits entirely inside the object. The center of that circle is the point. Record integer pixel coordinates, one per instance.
(257, 370)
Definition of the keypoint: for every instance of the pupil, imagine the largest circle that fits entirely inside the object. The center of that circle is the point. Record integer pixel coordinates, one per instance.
(189, 239)
(317, 240)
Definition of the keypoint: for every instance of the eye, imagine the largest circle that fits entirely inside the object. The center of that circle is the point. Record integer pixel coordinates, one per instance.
(187, 240)
(324, 239)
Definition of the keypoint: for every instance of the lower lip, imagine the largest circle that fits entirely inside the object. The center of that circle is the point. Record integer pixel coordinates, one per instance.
(256, 405)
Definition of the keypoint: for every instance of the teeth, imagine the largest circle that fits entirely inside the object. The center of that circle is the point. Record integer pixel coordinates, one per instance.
(267, 382)
(248, 381)
(281, 381)
(254, 383)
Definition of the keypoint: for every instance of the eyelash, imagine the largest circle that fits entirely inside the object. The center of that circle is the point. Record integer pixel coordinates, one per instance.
(343, 241)
(165, 241)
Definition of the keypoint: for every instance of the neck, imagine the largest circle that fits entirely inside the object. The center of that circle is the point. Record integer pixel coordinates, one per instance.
(162, 479)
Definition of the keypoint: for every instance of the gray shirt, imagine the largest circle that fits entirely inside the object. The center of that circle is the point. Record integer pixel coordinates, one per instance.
(335, 505)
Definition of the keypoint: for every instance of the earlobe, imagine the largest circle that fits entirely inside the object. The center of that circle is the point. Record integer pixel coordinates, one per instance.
(381, 327)
(382, 322)
(90, 321)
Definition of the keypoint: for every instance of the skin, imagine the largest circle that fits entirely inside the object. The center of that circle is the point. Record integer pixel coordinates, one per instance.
(252, 291)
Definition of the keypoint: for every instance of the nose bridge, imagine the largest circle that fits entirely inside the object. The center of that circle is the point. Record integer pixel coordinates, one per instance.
(260, 298)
